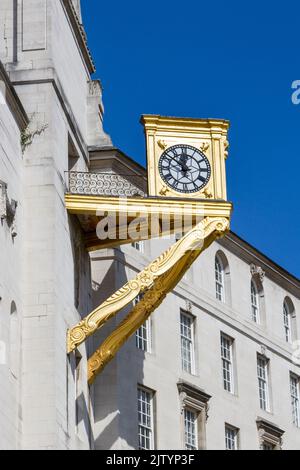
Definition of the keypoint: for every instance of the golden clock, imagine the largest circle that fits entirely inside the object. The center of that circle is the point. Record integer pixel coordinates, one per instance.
(186, 157)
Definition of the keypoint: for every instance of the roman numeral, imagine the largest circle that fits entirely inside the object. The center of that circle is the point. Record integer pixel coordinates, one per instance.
(201, 179)
(174, 154)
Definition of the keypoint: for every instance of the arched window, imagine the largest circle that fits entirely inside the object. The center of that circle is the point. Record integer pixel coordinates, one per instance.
(219, 277)
(255, 311)
(287, 320)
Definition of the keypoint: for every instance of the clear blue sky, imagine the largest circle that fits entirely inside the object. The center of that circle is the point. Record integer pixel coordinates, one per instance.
(232, 60)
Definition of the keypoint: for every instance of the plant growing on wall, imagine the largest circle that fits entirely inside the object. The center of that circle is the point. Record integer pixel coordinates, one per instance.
(28, 134)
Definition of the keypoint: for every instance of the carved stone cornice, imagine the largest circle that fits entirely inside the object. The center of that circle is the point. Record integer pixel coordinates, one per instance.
(192, 396)
(79, 34)
(257, 271)
(8, 209)
(269, 433)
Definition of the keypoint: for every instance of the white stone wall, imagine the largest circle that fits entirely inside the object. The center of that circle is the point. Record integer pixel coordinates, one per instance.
(52, 291)
(49, 279)
(116, 410)
(11, 262)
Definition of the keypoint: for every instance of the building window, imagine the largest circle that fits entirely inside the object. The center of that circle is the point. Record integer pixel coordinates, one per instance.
(263, 382)
(187, 342)
(219, 277)
(231, 437)
(267, 446)
(145, 418)
(287, 322)
(227, 362)
(294, 386)
(194, 408)
(255, 303)
(138, 245)
(143, 336)
(190, 429)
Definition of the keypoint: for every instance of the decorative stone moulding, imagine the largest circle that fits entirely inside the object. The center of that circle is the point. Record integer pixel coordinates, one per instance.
(8, 209)
(258, 272)
(102, 184)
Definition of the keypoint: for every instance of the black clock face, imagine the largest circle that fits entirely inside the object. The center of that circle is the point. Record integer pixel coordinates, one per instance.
(184, 168)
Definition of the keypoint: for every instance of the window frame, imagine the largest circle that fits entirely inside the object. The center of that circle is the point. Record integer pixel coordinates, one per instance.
(296, 397)
(264, 402)
(147, 326)
(266, 445)
(229, 361)
(219, 279)
(235, 440)
(287, 322)
(143, 337)
(255, 303)
(151, 437)
(191, 341)
(195, 413)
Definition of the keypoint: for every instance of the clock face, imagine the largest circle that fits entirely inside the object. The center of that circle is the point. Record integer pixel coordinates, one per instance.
(185, 169)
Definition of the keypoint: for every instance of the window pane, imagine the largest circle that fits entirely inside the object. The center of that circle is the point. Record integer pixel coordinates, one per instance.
(143, 334)
(145, 430)
(255, 303)
(263, 387)
(143, 337)
(219, 277)
(190, 429)
(187, 343)
(267, 446)
(227, 365)
(231, 434)
(294, 386)
(287, 323)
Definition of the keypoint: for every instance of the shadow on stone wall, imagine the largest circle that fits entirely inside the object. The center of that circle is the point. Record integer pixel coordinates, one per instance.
(115, 389)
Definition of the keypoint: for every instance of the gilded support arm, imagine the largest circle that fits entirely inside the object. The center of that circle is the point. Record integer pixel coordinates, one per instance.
(193, 240)
(199, 238)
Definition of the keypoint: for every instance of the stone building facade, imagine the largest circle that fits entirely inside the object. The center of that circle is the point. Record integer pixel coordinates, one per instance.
(216, 366)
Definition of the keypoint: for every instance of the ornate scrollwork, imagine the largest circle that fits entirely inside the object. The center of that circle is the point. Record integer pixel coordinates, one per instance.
(193, 242)
(204, 147)
(103, 184)
(208, 193)
(162, 144)
(164, 190)
(209, 229)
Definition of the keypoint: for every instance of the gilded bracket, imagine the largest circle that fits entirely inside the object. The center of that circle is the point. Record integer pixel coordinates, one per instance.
(177, 261)
(193, 240)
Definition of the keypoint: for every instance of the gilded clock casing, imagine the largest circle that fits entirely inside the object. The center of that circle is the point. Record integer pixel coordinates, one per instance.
(209, 136)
